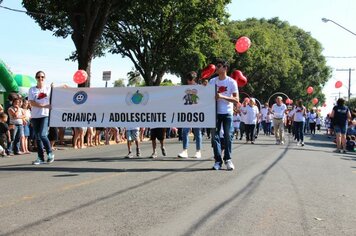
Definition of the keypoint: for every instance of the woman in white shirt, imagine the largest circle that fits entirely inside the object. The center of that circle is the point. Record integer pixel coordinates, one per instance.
(251, 116)
(298, 114)
(38, 97)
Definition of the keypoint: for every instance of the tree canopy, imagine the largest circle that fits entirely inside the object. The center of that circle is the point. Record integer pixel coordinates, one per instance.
(177, 36)
(153, 34)
(83, 20)
(282, 58)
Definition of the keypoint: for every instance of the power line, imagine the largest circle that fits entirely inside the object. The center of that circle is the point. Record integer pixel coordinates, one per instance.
(340, 57)
(22, 11)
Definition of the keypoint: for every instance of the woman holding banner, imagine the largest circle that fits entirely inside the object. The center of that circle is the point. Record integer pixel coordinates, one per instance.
(191, 76)
(39, 97)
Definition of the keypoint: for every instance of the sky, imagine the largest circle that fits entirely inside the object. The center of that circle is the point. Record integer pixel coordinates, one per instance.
(25, 48)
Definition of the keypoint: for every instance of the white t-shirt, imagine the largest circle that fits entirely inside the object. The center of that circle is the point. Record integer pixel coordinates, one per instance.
(226, 87)
(312, 117)
(236, 121)
(40, 96)
(251, 115)
(279, 111)
(243, 114)
(318, 121)
(298, 114)
(16, 120)
(264, 112)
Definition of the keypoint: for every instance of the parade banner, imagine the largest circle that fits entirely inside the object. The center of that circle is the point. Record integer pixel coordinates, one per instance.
(158, 106)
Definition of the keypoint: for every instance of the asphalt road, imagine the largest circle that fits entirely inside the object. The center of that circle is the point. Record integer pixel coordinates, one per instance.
(275, 190)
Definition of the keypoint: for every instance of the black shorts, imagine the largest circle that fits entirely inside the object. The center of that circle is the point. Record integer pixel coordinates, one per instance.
(53, 134)
(158, 133)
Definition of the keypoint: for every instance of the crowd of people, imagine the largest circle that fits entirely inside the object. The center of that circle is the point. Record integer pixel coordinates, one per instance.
(24, 125)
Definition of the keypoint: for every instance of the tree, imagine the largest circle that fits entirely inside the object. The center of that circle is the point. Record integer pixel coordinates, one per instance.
(119, 83)
(134, 78)
(167, 82)
(83, 20)
(153, 33)
(282, 58)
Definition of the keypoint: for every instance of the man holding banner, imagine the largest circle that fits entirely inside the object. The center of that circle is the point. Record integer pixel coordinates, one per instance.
(226, 96)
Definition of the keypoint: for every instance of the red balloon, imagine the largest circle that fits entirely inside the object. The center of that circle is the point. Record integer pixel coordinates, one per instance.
(208, 71)
(80, 76)
(338, 84)
(289, 101)
(239, 78)
(310, 90)
(242, 44)
(315, 101)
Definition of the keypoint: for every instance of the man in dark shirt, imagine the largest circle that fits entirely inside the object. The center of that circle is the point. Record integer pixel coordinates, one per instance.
(340, 114)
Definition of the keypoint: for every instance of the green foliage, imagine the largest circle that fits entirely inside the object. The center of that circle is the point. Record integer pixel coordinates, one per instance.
(167, 82)
(157, 39)
(119, 83)
(134, 78)
(282, 58)
(351, 104)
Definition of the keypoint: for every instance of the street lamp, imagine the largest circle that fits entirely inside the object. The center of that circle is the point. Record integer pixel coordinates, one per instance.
(325, 20)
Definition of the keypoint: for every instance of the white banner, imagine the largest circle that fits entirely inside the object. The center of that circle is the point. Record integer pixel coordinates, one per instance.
(160, 106)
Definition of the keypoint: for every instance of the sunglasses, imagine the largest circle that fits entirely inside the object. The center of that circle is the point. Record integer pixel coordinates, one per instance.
(40, 77)
(218, 66)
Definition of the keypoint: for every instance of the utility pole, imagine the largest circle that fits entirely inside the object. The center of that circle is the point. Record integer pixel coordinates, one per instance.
(349, 87)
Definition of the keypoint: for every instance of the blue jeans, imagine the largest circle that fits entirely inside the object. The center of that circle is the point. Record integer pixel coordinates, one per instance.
(197, 134)
(299, 130)
(226, 121)
(16, 133)
(40, 129)
(263, 123)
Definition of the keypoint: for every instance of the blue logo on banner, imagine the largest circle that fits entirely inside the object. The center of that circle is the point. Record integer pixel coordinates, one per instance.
(80, 97)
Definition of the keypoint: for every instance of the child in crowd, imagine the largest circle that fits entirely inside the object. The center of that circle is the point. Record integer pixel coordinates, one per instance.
(26, 126)
(132, 135)
(97, 136)
(4, 134)
(90, 135)
(78, 139)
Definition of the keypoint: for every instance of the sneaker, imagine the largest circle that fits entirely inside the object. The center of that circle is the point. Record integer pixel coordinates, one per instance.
(38, 161)
(337, 151)
(277, 142)
(183, 154)
(197, 154)
(164, 152)
(129, 155)
(217, 166)
(138, 153)
(50, 158)
(343, 151)
(229, 165)
(298, 143)
(252, 142)
(154, 155)
(302, 144)
(282, 142)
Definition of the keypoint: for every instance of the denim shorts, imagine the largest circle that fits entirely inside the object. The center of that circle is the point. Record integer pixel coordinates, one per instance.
(340, 129)
(26, 130)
